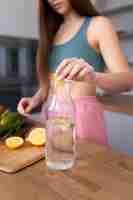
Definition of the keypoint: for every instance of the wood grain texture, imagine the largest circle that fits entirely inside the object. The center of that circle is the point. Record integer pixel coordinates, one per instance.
(99, 174)
(13, 160)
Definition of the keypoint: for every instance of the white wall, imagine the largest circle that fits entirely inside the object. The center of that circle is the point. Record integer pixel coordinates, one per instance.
(18, 18)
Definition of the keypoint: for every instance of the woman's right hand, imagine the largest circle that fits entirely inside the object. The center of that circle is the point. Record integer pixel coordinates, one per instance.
(27, 104)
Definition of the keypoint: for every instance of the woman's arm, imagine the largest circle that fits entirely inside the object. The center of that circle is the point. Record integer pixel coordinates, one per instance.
(119, 78)
(38, 96)
(115, 82)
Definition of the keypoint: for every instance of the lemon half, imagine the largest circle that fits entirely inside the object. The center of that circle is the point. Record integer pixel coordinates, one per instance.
(37, 136)
(14, 142)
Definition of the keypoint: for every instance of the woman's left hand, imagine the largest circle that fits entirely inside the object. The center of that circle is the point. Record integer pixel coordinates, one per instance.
(75, 69)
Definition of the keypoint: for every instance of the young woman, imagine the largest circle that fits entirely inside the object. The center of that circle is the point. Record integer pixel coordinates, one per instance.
(79, 44)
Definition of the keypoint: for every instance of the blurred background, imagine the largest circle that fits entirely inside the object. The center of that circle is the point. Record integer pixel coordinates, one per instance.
(18, 43)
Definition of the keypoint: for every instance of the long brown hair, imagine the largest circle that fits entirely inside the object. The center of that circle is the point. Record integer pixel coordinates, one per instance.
(49, 22)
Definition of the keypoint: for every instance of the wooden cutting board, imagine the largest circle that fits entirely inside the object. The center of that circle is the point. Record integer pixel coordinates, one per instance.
(12, 161)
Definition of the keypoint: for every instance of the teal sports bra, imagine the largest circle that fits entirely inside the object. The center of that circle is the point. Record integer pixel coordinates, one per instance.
(77, 47)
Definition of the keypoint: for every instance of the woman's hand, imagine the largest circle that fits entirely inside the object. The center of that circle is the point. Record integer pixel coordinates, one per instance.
(75, 69)
(27, 104)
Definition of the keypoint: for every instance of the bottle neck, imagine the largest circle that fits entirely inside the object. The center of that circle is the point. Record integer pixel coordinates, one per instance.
(62, 88)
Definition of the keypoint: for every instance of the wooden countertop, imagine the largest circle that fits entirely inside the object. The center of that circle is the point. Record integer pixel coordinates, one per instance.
(99, 174)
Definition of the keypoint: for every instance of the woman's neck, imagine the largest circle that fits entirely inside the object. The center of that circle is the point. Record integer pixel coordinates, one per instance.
(71, 18)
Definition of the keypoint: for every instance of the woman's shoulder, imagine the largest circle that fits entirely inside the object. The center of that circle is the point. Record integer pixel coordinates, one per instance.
(99, 27)
(101, 21)
(100, 24)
